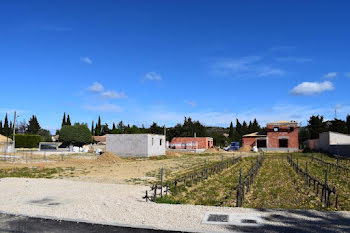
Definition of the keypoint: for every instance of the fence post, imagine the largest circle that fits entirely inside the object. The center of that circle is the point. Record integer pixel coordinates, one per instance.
(205, 168)
(239, 189)
(161, 182)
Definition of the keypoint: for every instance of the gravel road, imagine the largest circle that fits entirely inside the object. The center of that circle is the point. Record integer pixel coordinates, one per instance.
(120, 204)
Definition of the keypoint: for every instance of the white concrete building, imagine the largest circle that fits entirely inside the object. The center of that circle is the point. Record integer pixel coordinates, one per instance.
(332, 142)
(136, 145)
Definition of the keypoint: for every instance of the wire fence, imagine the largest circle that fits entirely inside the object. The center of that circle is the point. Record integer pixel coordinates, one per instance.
(190, 179)
(328, 195)
(243, 186)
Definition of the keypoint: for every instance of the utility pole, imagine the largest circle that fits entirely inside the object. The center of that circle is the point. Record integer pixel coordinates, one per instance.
(14, 130)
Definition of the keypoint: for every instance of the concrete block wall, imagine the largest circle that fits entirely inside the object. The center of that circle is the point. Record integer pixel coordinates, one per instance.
(136, 145)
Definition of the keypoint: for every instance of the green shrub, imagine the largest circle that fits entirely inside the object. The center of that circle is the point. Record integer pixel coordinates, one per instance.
(27, 140)
(77, 135)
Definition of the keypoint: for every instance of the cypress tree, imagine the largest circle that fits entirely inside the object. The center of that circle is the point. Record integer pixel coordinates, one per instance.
(64, 119)
(1, 127)
(244, 128)
(348, 123)
(231, 131)
(6, 126)
(68, 120)
(92, 128)
(98, 129)
(113, 128)
(239, 127)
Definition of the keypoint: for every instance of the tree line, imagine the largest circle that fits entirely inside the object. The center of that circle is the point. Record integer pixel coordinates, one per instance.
(222, 136)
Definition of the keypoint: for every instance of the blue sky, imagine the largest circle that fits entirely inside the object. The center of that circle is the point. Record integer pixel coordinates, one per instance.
(144, 61)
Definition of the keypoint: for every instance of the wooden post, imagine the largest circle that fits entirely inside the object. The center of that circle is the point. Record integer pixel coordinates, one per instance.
(239, 189)
(205, 167)
(161, 182)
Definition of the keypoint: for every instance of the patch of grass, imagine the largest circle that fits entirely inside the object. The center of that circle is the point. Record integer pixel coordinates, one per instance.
(340, 180)
(29, 172)
(277, 185)
(218, 190)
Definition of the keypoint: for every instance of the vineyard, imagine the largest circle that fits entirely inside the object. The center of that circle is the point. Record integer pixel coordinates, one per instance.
(287, 181)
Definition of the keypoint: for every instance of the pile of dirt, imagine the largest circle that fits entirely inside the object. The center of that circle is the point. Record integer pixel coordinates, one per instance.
(214, 150)
(172, 154)
(245, 148)
(109, 157)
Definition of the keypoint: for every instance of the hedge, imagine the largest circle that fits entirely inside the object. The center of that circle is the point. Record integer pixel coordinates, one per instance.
(27, 140)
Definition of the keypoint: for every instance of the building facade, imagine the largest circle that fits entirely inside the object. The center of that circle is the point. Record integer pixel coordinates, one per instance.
(136, 145)
(191, 143)
(281, 136)
(331, 142)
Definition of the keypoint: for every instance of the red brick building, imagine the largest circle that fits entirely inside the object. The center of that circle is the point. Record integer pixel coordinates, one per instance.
(281, 135)
(191, 143)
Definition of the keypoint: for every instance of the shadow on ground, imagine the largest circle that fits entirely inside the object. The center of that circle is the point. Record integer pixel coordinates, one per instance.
(22, 224)
(299, 221)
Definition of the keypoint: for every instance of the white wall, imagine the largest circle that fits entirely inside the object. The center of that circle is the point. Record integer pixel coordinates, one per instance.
(137, 145)
(339, 139)
(156, 148)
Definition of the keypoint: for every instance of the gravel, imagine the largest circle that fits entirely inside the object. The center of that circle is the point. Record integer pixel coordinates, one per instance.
(121, 204)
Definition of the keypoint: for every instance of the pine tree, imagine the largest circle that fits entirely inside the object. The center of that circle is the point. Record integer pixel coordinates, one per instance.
(68, 120)
(64, 120)
(316, 125)
(33, 125)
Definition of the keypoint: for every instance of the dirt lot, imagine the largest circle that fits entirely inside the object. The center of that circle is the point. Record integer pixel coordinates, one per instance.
(89, 167)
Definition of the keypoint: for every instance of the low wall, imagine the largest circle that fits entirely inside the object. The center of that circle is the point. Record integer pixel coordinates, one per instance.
(342, 150)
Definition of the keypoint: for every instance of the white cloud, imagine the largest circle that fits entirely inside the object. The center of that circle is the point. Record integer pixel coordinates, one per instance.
(113, 95)
(153, 76)
(330, 75)
(312, 88)
(96, 87)
(86, 60)
(250, 66)
(103, 108)
(293, 59)
(268, 71)
(191, 103)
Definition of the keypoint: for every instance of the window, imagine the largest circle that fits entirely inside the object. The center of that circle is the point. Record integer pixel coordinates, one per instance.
(283, 143)
(160, 142)
(291, 129)
(275, 129)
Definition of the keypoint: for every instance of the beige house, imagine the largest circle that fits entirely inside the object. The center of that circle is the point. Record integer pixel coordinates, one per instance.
(4, 141)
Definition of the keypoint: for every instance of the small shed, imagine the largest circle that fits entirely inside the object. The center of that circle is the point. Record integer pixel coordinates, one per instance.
(136, 145)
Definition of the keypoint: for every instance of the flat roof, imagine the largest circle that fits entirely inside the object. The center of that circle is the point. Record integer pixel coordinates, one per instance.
(256, 134)
(281, 122)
